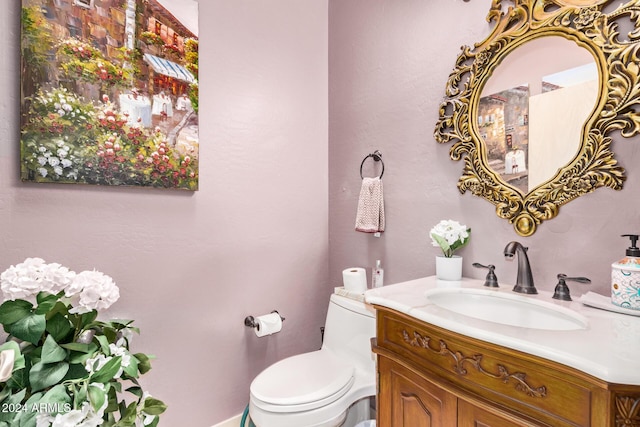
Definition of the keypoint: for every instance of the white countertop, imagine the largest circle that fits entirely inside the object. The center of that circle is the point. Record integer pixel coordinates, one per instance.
(609, 348)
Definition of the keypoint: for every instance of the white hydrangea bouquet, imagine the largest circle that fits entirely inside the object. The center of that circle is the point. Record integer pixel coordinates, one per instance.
(450, 236)
(60, 366)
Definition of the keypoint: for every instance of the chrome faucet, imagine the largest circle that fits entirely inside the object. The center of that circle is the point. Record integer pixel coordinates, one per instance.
(524, 281)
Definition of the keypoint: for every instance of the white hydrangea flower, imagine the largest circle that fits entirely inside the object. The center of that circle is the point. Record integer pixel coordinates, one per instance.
(93, 290)
(449, 235)
(33, 275)
(56, 277)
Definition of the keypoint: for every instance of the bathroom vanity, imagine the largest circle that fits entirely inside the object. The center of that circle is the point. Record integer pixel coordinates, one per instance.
(480, 363)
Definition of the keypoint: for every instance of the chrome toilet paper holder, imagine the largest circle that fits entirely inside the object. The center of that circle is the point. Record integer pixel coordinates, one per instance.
(250, 321)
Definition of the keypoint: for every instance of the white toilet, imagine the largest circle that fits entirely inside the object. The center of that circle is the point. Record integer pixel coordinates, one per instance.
(325, 388)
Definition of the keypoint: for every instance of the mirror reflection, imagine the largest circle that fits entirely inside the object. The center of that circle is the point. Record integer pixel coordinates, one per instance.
(533, 109)
(528, 167)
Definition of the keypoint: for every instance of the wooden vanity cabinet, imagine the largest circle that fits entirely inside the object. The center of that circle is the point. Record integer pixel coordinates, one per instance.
(431, 377)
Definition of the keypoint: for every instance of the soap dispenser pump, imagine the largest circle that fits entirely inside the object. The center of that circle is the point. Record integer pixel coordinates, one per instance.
(625, 277)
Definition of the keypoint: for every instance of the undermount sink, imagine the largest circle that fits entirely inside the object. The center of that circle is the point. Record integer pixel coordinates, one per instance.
(507, 308)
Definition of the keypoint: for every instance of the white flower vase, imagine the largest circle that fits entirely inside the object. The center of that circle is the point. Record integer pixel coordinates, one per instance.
(449, 268)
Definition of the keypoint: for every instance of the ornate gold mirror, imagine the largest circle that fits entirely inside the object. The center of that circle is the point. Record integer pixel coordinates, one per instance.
(527, 147)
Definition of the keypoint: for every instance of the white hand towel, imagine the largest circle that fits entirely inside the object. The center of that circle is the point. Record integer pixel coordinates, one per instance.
(596, 300)
(370, 216)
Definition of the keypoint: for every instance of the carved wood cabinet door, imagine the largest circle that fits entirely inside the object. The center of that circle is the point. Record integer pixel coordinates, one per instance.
(470, 415)
(407, 400)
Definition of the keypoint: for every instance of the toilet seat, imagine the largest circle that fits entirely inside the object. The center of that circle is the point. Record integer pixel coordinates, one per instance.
(303, 382)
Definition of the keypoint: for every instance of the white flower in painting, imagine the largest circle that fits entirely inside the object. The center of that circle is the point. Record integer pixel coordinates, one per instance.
(93, 290)
(58, 170)
(42, 171)
(42, 160)
(61, 112)
(66, 163)
(54, 161)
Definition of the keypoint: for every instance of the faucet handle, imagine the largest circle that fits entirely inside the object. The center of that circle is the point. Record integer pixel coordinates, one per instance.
(491, 280)
(561, 291)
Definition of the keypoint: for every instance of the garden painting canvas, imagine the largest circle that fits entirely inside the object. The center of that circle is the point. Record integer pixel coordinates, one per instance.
(109, 92)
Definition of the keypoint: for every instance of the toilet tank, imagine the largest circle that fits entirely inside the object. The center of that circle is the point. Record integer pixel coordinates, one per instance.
(349, 327)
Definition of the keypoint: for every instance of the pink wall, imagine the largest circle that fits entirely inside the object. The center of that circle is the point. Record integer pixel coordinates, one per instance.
(388, 64)
(255, 237)
(191, 266)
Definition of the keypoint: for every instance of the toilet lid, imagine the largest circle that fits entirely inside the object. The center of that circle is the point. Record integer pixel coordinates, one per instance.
(303, 379)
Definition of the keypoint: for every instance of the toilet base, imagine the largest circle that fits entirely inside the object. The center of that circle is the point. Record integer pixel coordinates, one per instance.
(359, 411)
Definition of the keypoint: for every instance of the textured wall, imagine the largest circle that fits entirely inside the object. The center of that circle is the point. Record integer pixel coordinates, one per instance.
(191, 266)
(388, 65)
(255, 237)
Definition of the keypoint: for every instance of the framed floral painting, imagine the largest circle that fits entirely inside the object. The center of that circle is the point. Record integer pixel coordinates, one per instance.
(109, 92)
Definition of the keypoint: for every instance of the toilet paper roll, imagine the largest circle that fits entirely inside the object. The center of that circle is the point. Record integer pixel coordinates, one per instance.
(355, 279)
(268, 324)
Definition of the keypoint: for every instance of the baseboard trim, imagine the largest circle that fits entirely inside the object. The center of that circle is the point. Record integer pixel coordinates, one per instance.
(231, 422)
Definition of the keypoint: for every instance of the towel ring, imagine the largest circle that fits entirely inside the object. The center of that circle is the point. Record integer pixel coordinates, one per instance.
(377, 156)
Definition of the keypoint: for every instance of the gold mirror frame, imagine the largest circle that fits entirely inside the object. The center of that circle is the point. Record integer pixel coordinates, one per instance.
(588, 24)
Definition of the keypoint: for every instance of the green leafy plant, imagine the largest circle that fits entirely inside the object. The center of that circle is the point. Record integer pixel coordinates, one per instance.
(450, 236)
(81, 61)
(36, 42)
(151, 38)
(60, 366)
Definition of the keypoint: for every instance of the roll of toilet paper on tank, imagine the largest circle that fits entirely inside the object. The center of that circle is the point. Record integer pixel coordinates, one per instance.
(355, 279)
(268, 324)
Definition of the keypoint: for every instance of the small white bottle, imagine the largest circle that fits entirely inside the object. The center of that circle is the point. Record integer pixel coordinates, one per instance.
(377, 275)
